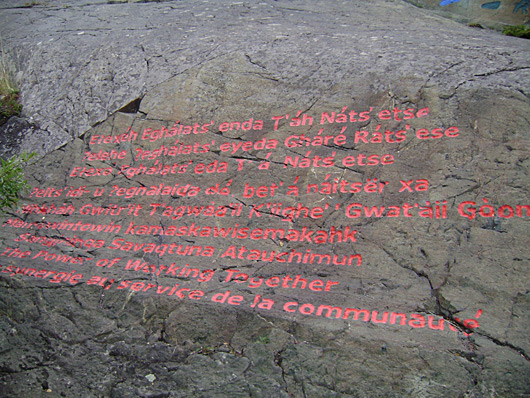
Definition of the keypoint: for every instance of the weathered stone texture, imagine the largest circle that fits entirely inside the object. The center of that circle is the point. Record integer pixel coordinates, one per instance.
(99, 68)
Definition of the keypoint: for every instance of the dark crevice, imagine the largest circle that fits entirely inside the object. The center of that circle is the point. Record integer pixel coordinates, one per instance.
(441, 305)
(131, 107)
(513, 69)
(504, 344)
(446, 313)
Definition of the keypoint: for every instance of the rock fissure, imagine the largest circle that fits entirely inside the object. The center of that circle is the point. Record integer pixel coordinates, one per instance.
(500, 343)
(144, 66)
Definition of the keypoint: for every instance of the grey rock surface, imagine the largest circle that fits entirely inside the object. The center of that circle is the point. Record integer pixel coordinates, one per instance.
(81, 61)
(91, 69)
(17, 135)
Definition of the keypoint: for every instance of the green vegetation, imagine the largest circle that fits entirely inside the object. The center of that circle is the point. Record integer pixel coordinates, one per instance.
(12, 181)
(30, 4)
(517, 31)
(9, 106)
(9, 92)
(263, 340)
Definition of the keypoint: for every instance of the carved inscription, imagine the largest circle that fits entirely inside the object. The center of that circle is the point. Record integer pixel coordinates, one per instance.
(170, 210)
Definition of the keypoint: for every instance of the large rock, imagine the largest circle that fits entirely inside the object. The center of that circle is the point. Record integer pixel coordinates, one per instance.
(256, 117)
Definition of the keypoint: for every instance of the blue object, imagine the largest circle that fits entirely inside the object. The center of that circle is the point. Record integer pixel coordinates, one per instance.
(493, 5)
(522, 6)
(447, 2)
